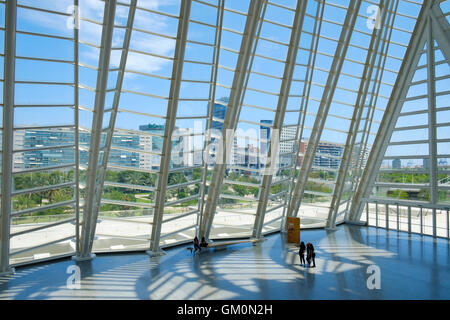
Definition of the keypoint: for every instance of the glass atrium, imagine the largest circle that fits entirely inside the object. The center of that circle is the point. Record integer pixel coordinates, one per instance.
(135, 125)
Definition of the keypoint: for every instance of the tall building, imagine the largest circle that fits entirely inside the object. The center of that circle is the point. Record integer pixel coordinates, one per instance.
(61, 151)
(396, 164)
(152, 142)
(327, 154)
(219, 112)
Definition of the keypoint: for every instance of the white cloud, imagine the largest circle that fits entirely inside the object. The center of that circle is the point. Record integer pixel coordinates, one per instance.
(90, 32)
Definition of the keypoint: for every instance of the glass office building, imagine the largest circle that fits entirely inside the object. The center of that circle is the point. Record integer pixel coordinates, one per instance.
(109, 110)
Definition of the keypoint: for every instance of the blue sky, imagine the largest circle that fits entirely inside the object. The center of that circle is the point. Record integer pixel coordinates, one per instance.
(33, 21)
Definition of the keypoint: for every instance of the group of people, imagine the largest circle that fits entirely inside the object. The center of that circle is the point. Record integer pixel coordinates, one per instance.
(310, 254)
(199, 245)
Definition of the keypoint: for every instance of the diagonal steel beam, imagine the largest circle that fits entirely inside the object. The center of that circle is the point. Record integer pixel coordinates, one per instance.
(360, 161)
(232, 115)
(112, 121)
(319, 123)
(366, 80)
(212, 99)
(289, 66)
(89, 216)
(177, 71)
(7, 132)
(432, 134)
(305, 97)
(441, 29)
(393, 109)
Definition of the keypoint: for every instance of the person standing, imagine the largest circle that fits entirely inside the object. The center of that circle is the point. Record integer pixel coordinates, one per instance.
(203, 243)
(313, 255)
(196, 245)
(308, 254)
(301, 253)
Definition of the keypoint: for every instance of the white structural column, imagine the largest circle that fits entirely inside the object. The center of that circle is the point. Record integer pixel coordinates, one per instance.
(289, 66)
(432, 135)
(76, 99)
(356, 117)
(112, 120)
(212, 98)
(177, 71)
(89, 217)
(391, 113)
(7, 134)
(441, 29)
(232, 115)
(319, 123)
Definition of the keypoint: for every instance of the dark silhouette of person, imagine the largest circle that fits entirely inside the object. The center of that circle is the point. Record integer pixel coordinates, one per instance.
(313, 255)
(308, 253)
(301, 253)
(203, 243)
(196, 245)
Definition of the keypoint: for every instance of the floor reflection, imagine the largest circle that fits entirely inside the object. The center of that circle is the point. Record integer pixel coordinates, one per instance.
(411, 266)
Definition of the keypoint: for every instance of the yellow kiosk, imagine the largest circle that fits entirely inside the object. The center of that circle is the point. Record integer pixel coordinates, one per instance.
(293, 229)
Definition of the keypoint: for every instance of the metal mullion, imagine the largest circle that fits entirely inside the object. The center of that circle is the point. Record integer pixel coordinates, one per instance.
(144, 94)
(91, 21)
(181, 215)
(177, 70)
(30, 170)
(327, 97)
(155, 12)
(411, 128)
(141, 114)
(89, 44)
(69, 126)
(42, 208)
(178, 231)
(305, 97)
(46, 226)
(128, 186)
(40, 246)
(76, 37)
(274, 41)
(432, 134)
(258, 107)
(206, 3)
(45, 83)
(147, 74)
(212, 96)
(263, 91)
(266, 75)
(154, 33)
(130, 150)
(200, 43)
(43, 148)
(132, 169)
(124, 220)
(126, 203)
(393, 108)
(44, 59)
(37, 34)
(42, 188)
(171, 203)
(149, 54)
(7, 134)
(89, 216)
(184, 184)
(241, 183)
(44, 10)
(240, 80)
(85, 65)
(268, 58)
(400, 143)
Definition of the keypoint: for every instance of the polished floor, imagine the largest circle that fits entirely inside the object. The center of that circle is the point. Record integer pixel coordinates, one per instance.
(410, 267)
